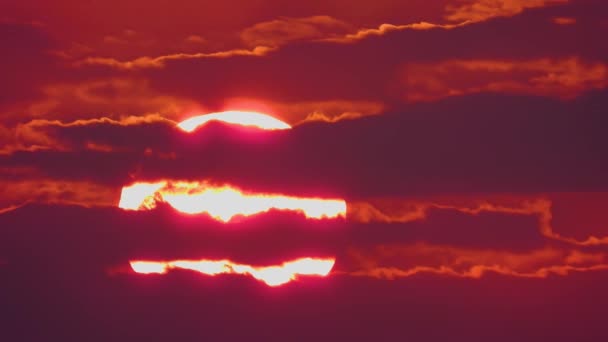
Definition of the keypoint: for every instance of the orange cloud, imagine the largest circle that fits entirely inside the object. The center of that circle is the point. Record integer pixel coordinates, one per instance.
(328, 111)
(480, 10)
(6, 210)
(321, 116)
(38, 190)
(159, 62)
(386, 28)
(469, 12)
(563, 78)
(475, 271)
(280, 31)
(122, 121)
(34, 135)
(393, 210)
(267, 36)
(397, 261)
(110, 97)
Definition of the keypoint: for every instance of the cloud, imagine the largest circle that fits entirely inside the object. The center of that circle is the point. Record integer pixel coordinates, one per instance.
(42, 134)
(123, 121)
(361, 251)
(480, 10)
(384, 262)
(298, 112)
(451, 146)
(564, 78)
(372, 69)
(104, 97)
(321, 116)
(395, 210)
(387, 28)
(111, 101)
(6, 210)
(15, 193)
(77, 261)
(447, 238)
(47, 134)
(283, 30)
(469, 142)
(159, 61)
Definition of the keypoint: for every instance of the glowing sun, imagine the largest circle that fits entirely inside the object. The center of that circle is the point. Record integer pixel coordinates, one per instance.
(270, 275)
(223, 202)
(243, 118)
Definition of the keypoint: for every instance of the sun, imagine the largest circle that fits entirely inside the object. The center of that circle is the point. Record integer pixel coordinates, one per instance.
(243, 118)
(223, 202)
(275, 275)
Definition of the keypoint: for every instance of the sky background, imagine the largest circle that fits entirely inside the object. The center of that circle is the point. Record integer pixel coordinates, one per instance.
(467, 138)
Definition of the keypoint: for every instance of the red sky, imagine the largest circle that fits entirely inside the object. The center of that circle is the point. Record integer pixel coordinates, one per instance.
(465, 137)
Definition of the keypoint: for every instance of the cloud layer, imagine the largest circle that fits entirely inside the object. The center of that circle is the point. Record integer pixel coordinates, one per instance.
(466, 139)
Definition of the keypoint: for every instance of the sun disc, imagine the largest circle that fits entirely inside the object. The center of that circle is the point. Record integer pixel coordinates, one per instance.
(242, 118)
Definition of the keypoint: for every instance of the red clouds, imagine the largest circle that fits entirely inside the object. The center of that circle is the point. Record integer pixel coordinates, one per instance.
(454, 151)
(565, 78)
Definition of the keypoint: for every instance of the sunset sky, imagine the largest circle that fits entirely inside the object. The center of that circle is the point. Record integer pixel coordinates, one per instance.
(193, 170)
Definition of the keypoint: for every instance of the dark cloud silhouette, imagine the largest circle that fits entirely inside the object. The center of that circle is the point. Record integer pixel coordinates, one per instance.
(479, 143)
(61, 280)
(104, 240)
(78, 305)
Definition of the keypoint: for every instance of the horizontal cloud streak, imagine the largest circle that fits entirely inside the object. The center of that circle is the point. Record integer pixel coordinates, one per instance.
(565, 78)
(159, 62)
(384, 262)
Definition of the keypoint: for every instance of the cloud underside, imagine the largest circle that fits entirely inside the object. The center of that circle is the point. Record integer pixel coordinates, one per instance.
(464, 237)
